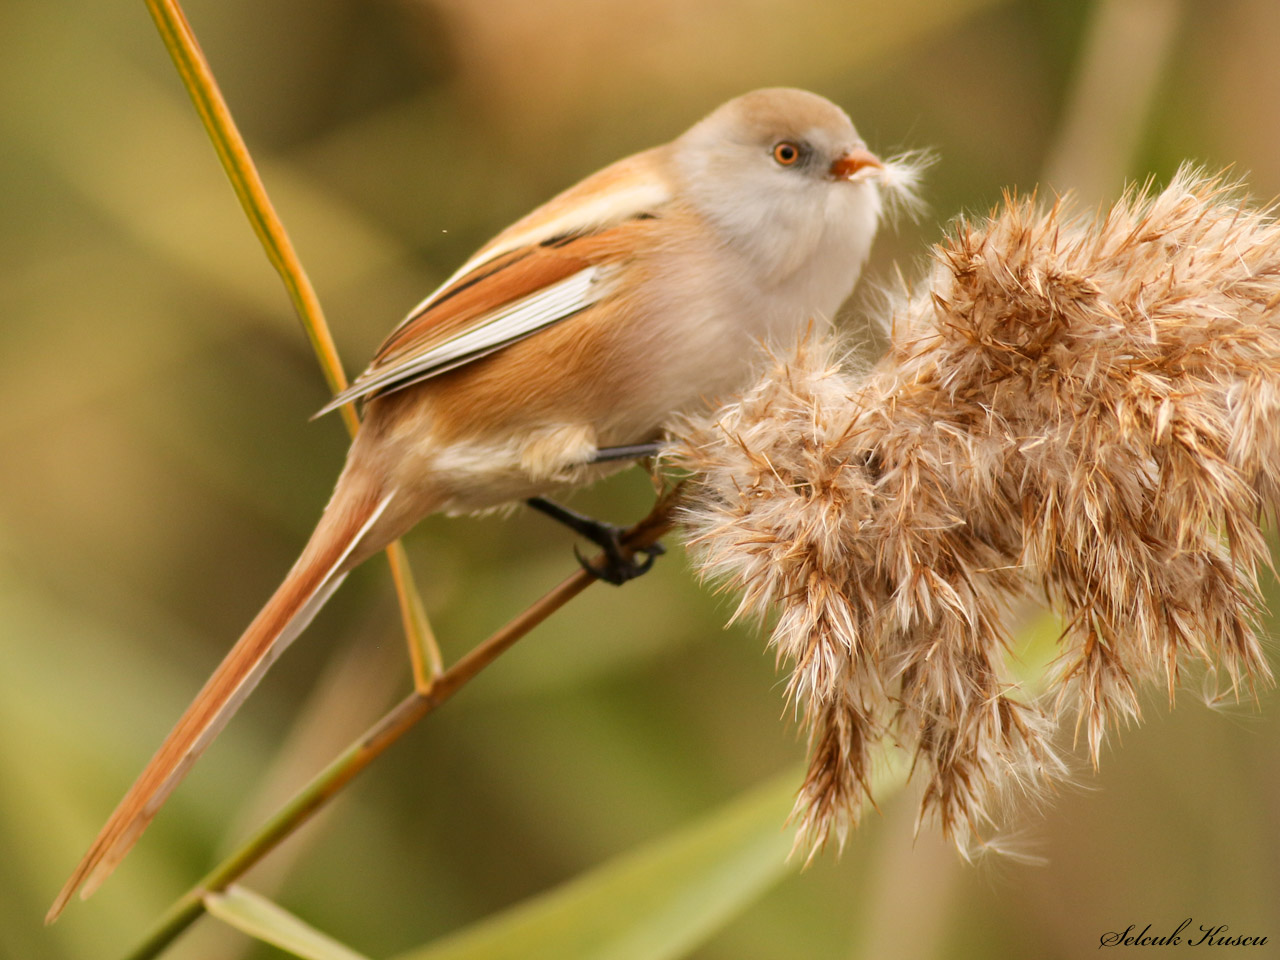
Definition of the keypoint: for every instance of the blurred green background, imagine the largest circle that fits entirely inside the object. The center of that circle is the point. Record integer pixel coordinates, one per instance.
(158, 473)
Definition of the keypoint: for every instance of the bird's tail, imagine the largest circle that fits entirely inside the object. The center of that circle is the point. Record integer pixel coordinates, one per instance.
(330, 553)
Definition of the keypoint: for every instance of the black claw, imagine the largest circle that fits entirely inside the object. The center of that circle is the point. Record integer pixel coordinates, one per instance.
(616, 568)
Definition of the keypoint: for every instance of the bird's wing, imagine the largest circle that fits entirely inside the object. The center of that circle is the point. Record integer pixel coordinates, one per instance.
(548, 266)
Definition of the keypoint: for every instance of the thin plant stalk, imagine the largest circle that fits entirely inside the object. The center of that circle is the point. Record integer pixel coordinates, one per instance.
(197, 77)
(395, 724)
(432, 684)
(424, 651)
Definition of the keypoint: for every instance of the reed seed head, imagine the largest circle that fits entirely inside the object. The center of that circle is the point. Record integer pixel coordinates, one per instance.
(1085, 410)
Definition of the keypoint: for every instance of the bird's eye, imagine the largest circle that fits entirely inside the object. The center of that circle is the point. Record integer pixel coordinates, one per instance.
(786, 153)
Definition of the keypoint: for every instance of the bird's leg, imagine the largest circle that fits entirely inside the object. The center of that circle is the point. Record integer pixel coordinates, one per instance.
(617, 568)
(632, 451)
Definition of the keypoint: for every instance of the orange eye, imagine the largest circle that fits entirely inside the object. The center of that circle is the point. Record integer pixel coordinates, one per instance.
(786, 153)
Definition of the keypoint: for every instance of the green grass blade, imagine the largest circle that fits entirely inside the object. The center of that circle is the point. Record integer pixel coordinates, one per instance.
(259, 917)
(659, 901)
(197, 77)
(234, 155)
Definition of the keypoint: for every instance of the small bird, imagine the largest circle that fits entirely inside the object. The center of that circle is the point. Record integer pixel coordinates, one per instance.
(557, 352)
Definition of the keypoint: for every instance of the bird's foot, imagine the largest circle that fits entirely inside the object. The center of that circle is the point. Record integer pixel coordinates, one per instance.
(620, 563)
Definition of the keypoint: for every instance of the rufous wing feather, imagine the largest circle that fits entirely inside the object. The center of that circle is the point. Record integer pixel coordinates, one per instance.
(315, 576)
(546, 268)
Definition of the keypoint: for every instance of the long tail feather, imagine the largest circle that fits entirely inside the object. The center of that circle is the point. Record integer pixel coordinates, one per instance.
(318, 572)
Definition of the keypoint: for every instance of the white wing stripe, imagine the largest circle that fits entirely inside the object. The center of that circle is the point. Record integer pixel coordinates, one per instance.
(530, 313)
(504, 325)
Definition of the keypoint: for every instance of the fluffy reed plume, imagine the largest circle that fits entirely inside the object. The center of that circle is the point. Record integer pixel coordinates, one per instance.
(1083, 409)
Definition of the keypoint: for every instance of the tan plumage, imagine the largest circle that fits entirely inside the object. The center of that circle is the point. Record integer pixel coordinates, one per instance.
(634, 295)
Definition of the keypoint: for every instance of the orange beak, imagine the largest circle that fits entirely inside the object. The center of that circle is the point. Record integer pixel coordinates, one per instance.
(853, 162)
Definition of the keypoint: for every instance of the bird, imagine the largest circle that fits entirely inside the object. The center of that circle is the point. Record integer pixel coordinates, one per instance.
(558, 352)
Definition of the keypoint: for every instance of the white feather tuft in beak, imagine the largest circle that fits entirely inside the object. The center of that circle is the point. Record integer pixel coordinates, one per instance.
(853, 162)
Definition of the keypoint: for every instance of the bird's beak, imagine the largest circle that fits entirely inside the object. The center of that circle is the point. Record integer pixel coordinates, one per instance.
(854, 162)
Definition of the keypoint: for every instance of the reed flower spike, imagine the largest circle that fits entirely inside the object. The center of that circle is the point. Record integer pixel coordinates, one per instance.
(1084, 409)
